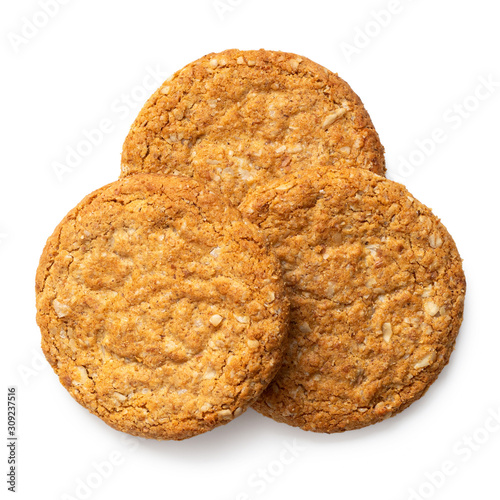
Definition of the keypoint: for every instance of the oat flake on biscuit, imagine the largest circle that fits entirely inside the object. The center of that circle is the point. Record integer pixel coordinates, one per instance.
(376, 289)
(239, 118)
(161, 310)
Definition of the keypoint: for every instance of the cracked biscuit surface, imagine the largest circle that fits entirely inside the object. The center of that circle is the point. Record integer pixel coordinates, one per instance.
(376, 290)
(161, 310)
(239, 118)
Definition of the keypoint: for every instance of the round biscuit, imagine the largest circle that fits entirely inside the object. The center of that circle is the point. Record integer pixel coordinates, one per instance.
(239, 118)
(376, 290)
(161, 310)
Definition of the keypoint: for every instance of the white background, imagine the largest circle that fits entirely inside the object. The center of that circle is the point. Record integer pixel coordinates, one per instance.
(89, 63)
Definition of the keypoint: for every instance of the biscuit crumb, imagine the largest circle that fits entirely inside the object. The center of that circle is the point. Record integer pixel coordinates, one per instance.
(435, 240)
(61, 309)
(305, 328)
(426, 361)
(431, 308)
(242, 319)
(120, 397)
(215, 252)
(294, 149)
(178, 113)
(216, 319)
(387, 332)
(209, 373)
(333, 117)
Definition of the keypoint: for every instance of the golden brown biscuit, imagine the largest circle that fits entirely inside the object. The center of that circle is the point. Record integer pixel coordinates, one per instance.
(239, 118)
(160, 308)
(376, 289)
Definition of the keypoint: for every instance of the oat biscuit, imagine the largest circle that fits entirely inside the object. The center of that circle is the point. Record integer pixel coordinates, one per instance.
(376, 291)
(239, 118)
(160, 308)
